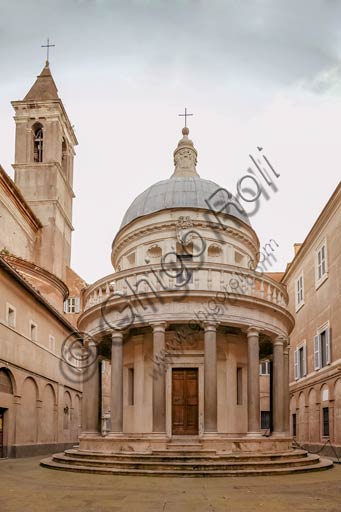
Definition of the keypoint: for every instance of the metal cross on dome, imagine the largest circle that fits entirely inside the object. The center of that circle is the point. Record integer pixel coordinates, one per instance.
(185, 115)
(48, 46)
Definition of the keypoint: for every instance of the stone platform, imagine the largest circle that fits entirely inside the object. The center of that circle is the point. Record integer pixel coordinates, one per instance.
(187, 458)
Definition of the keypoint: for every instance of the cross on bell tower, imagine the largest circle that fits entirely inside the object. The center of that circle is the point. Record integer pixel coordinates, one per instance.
(48, 46)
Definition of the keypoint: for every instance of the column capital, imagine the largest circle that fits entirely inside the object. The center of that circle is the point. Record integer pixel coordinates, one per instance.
(210, 326)
(117, 335)
(280, 340)
(286, 347)
(253, 331)
(159, 326)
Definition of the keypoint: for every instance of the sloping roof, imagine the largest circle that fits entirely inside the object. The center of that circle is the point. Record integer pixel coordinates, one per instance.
(18, 199)
(44, 88)
(276, 276)
(7, 267)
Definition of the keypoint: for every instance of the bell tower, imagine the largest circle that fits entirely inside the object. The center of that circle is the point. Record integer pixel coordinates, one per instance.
(44, 153)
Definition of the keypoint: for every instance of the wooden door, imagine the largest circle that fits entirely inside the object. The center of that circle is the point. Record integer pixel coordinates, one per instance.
(185, 401)
(2, 454)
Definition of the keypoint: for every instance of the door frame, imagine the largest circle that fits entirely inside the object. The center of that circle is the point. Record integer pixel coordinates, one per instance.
(184, 371)
(183, 363)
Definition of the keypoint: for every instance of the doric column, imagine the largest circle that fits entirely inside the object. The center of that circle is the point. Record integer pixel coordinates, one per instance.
(286, 413)
(253, 397)
(91, 403)
(210, 377)
(159, 377)
(278, 384)
(116, 408)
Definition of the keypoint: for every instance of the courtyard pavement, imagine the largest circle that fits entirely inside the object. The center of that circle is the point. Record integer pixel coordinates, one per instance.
(26, 487)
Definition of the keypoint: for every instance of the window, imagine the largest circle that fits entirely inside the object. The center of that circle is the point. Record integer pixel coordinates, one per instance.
(265, 420)
(64, 157)
(10, 315)
(239, 386)
(299, 292)
(33, 331)
(38, 143)
(321, 267)
(322, 348)
(52, 343)
(294, 425)
(300, 361)
(72, 305)
(325, 417)
(131, 386)
(264, 368)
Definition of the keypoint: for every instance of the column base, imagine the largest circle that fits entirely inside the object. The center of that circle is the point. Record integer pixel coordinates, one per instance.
(209, 434)
(257, 433)
(279, 434)
(115, 434)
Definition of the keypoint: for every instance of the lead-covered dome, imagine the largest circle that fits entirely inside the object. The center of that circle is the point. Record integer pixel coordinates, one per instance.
(185, 189)
(183, 192)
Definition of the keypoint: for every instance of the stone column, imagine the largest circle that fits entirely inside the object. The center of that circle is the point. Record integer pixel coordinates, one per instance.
(91, 403)
(278, 383)
(159, 378)
(210, 378)
(286, 399)
(253, 396)
(116, 407)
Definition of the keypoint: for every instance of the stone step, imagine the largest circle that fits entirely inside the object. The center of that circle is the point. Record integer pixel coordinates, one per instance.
(190, 446)
(146, 464)
(322, 464)
(208, 455)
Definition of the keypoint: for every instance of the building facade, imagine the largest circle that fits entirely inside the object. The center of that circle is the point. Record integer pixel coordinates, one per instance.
(40, 405)
(313, 281)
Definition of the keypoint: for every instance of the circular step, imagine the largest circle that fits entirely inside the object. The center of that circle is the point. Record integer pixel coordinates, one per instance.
(182, 464)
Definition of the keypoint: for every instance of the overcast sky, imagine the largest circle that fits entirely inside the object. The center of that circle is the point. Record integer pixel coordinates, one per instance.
(254, 72)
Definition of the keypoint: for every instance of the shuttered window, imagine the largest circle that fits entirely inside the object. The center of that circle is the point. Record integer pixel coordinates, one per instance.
(322, 356)
(72, 305)
(299, 292)
(321, 264)
(300, 361)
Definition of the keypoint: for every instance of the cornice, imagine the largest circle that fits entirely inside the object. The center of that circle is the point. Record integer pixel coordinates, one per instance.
(122, 239)
(30, 268)
(33, 166)
(9, 269)
(38, 104)
(170, 296)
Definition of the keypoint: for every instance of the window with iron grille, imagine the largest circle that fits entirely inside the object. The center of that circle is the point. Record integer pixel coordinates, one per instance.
(294, 425)
(265, 420)
(325, 415)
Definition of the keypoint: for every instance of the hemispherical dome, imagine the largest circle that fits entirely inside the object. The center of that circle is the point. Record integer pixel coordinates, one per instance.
(184, 192)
